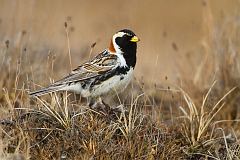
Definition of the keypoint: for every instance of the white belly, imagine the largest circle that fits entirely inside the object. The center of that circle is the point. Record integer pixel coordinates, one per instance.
(113, 85)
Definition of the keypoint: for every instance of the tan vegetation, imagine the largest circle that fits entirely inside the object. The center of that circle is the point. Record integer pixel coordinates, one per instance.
(182, 104)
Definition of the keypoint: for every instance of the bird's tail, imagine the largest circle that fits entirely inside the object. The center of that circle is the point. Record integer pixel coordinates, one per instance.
(46, 90)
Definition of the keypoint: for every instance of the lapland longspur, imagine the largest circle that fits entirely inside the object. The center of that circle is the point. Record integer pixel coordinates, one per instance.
(111, 70)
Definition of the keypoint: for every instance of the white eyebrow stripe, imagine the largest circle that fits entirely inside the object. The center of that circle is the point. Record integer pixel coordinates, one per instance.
(119, 34)
(116, 47)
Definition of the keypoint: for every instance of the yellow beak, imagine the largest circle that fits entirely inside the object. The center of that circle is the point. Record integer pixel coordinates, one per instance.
(135, 39)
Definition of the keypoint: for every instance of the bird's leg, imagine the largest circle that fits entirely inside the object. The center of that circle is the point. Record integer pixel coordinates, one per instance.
(104, 106)
(100, 100)
(100, 105)
(94, 102)
(104, 103)
(91, 102)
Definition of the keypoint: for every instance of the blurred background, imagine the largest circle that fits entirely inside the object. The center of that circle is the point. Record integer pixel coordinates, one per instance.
(185, 46)
(175, 36)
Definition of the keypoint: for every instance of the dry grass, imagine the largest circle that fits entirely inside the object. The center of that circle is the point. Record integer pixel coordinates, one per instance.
(196, 118)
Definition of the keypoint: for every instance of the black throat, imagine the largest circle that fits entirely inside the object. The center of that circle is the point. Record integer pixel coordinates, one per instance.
(129, 53)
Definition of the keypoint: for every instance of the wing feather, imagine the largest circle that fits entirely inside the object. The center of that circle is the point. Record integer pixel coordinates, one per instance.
(102, 63)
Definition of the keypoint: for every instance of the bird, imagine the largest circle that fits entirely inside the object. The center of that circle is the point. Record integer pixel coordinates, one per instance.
(108, 72)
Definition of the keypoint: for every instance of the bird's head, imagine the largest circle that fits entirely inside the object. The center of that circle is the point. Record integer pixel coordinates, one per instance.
(123, 41)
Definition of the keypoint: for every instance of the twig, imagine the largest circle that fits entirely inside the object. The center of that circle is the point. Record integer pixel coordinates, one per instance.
(68, 43)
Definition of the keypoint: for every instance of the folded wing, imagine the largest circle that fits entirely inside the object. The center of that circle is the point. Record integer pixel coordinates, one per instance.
(99, 65)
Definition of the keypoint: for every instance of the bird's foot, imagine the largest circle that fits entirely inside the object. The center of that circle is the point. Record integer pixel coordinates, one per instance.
(111, 112)
(100, 106)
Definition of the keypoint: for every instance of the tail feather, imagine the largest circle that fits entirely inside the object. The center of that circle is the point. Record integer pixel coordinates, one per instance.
(45, 91)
